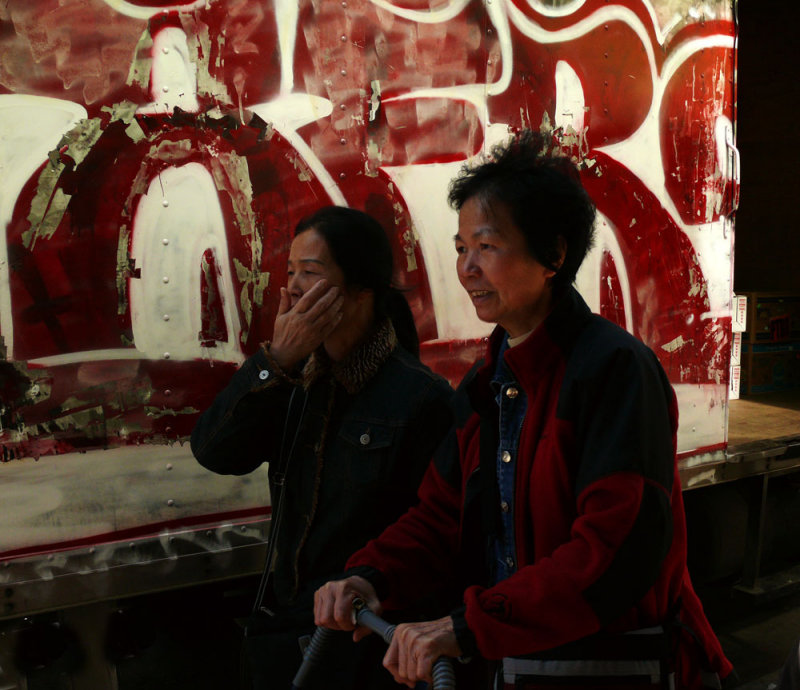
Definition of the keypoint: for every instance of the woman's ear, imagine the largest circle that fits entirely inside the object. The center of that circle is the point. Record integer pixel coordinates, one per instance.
(561, 248)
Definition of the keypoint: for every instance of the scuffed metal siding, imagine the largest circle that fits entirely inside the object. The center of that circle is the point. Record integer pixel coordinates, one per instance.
(153, 166)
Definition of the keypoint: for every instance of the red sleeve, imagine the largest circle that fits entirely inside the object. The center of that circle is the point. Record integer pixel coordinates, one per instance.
(560, 599)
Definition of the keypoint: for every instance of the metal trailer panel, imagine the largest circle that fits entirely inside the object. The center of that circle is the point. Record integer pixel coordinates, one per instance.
(153, 162)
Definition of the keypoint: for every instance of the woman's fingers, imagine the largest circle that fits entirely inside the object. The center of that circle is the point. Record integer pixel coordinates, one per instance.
(301, 329)
(310, 299)
(284, 303)
(333, 603)
(415, 648)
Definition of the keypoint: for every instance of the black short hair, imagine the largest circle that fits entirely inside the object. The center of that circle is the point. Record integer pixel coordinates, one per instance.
(542, 190)
(361, 249)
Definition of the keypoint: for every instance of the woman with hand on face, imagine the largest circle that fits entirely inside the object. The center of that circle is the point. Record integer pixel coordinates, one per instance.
(340, 392)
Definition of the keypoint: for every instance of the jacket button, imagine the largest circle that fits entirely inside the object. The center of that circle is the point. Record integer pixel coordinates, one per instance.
(364, 439)
(511, 392)
(509, 561)
(263, 374)
(505, 507)
(506, 456)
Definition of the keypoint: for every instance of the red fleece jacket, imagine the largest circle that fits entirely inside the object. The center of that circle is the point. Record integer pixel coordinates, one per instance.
(598, 510)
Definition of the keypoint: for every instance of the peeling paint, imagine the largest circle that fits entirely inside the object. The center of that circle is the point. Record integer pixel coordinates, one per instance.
(139, 72)
(374, 99)
(674, 345)
(381, 121)
(158, 412)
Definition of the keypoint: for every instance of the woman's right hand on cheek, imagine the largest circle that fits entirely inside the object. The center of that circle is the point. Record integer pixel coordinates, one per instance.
(301, 329)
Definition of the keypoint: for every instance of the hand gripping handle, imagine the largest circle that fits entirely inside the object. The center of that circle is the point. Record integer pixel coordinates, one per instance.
(442, 673)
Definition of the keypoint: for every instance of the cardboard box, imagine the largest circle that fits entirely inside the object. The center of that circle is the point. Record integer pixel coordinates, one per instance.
(736, 349)
(734, 382)
(739, 313)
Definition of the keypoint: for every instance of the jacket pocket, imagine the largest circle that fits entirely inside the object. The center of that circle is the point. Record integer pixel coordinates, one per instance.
(369, 449)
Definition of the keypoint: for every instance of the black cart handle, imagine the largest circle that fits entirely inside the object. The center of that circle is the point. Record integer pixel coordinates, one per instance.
(442, 673)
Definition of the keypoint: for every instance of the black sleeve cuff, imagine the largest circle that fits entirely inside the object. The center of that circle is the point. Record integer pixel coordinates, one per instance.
(372, 575)
(464, 637)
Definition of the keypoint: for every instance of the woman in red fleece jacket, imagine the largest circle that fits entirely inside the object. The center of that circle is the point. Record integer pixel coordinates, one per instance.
(554, 506)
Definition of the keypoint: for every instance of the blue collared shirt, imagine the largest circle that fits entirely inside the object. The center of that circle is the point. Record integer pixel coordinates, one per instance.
(512, 404)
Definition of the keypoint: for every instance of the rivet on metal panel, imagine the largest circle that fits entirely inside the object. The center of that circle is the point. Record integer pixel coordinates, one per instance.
(209, 533)
(132, 545)
(165, 241)
(170, 502)
(165, 50)
(343, 38)
(694, 428)
(166, 355)
(342, 141)
(168, 392)
(165, 203)
(169, 466)
(342, 107)
(344, 4)
(342, 175)
(243, 528)
(343, 72)
(165, 279)
(165, 88)
(166, 317)
(168, 429)
(489, 62)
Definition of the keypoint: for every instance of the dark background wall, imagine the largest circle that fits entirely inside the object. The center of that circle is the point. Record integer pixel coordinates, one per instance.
(767, 255)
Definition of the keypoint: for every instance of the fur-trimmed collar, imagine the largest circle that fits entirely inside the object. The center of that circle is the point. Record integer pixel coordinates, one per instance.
(359, 366)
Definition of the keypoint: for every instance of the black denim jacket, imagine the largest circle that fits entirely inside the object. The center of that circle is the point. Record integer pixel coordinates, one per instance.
(369, 429)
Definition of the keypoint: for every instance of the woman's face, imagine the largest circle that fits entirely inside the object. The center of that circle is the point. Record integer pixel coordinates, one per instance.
(310, 260)
(506, 284)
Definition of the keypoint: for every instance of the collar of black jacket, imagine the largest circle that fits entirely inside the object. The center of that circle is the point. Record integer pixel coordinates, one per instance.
(355, 370)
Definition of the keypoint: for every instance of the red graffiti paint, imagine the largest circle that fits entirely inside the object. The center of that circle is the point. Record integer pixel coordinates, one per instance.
(393, 89)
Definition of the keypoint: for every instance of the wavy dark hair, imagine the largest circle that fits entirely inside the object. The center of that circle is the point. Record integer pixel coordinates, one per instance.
(361, 249)
(543, 192)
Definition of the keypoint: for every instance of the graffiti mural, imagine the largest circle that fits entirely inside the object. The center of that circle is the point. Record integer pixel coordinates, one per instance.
(155, 156)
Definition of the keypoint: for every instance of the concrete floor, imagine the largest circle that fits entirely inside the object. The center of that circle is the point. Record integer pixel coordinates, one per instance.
(188, 640)
(757, 636)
